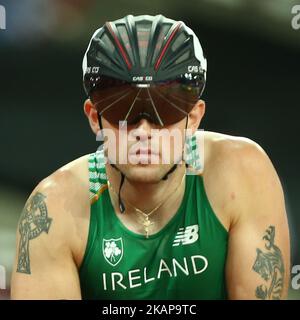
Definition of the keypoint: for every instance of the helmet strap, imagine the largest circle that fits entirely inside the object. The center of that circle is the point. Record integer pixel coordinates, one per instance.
(165, 177)
(99, 121)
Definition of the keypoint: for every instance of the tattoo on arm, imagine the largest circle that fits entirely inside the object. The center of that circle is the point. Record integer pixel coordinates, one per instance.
(34, 220)
(269, 265)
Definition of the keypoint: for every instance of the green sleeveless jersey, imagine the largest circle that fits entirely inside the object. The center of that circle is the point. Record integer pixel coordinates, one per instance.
(184, 260)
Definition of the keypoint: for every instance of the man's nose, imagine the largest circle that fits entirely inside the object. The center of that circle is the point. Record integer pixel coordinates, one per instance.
(143, 129)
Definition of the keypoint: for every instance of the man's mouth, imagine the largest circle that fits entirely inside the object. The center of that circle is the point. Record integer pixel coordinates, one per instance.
(146, 152)
(145, 156)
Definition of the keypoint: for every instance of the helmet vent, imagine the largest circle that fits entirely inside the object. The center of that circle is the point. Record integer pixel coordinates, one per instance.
(107, 43)
(162, 35)
(183, 57)
(166, 45)
(143, 34)
(124, 36)
(178, 41)
(102, 58)
(122, 50)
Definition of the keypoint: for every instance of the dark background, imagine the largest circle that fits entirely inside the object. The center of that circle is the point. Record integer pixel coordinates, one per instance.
(252, 88)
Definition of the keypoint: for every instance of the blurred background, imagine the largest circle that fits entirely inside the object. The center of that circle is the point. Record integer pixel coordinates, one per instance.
(253, 89)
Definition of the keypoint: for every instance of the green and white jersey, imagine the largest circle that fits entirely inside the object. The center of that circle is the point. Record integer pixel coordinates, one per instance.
(184, 260)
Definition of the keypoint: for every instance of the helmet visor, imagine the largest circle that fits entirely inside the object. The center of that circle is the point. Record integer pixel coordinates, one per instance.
(162, 103)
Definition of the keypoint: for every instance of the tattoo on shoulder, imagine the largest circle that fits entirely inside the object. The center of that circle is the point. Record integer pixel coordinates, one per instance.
(34, 220)
(269, 265)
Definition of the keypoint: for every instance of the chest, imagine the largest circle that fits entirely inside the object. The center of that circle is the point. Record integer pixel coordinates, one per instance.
(177, 262)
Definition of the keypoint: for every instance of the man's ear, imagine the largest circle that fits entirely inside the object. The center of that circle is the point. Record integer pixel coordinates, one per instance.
(196, 115)
(92, 115)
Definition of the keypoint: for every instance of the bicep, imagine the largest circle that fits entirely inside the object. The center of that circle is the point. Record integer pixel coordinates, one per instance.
(57, 282)
(44, 267)
(258, 262)
(259, 248)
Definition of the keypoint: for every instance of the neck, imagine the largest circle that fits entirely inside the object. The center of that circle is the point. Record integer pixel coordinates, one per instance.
(146, 196)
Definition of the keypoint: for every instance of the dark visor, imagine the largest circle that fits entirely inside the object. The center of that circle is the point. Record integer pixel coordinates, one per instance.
(163, 103)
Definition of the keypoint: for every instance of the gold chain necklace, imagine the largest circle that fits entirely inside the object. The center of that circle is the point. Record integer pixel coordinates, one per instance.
(147, 223)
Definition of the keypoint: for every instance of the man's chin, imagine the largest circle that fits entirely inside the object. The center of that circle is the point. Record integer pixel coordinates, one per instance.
(147, 173)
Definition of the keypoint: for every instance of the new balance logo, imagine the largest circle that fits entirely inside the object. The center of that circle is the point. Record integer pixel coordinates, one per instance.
(186, 235)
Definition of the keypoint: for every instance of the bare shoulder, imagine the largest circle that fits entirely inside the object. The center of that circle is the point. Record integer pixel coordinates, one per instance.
(236, 158)
(65, 197)
(51, 236)
(234, 150)
(68, 181)
(67, 187)
(235, 168)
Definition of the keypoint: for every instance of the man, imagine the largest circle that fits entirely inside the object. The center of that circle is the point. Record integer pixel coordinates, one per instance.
(105, 228)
